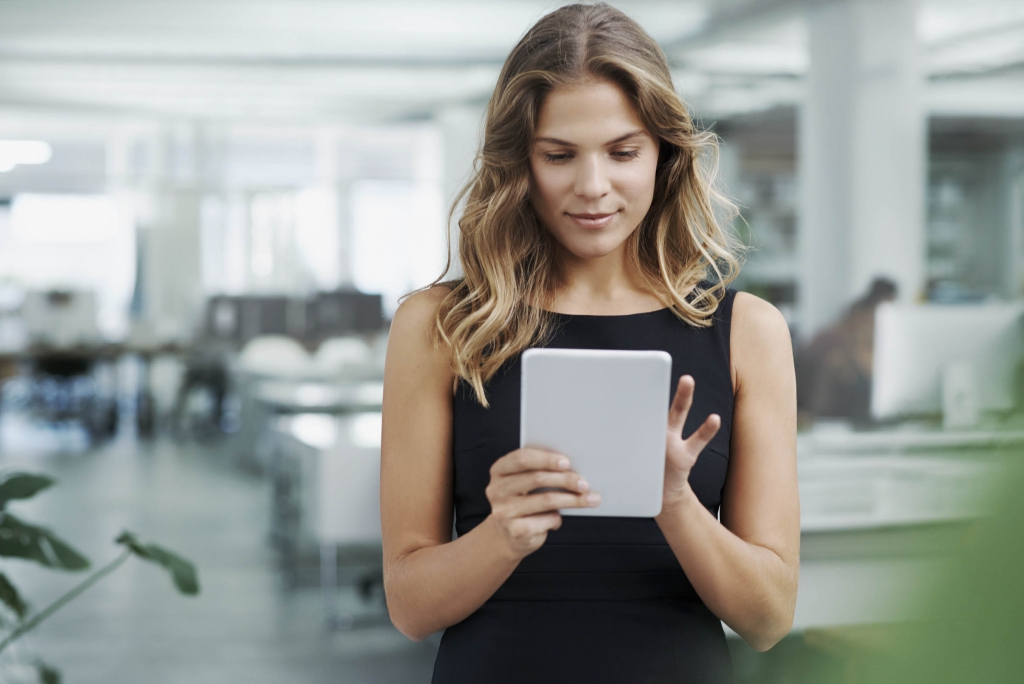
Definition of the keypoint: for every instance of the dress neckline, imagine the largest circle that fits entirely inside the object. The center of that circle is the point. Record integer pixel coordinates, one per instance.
(688, 297)
(626, 315)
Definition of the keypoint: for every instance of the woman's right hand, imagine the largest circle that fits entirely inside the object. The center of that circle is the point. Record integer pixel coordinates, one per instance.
(522, 514)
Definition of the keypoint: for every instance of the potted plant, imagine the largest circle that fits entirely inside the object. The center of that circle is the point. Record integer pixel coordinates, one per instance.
(23, 540)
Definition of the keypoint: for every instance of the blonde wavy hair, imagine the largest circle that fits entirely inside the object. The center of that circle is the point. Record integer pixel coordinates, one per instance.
(493, 312)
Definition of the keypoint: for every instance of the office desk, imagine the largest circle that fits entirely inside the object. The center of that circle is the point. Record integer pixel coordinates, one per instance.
(908, 439)
(264, 398)
(80, 360)
(307, 423)
(877, 526)
(326, 475)
(285, 397)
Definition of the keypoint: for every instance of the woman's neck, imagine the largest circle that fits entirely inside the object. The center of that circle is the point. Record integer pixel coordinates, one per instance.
(606, 285)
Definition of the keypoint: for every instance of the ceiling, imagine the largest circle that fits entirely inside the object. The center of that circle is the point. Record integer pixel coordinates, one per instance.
(303, 61)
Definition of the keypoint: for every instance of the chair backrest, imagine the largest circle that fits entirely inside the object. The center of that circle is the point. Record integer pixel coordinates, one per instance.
(337, 355)
(275, 355)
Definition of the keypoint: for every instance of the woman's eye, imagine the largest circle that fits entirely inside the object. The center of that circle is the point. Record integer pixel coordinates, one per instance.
(626, 154)
(553, 157)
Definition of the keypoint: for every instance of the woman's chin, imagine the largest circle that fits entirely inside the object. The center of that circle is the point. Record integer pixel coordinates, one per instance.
(593, 248)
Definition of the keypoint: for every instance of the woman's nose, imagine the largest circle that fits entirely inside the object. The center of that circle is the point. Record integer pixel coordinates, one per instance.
(591, 179)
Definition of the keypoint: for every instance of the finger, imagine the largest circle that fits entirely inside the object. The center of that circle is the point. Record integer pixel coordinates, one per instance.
(534, 525)
(549, 501)
(529, 458)
(704, 434)
(550, 520)
(525, 483)
(681, 404)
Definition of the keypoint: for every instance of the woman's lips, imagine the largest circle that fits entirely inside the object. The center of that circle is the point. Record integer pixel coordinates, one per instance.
(592, 220)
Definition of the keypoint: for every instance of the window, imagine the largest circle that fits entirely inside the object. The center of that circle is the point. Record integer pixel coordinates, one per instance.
(78, 242)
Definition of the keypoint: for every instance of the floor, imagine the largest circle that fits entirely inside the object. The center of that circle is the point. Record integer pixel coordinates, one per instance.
(133, 626)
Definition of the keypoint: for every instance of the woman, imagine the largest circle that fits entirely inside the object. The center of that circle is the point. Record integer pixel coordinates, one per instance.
(590, 222)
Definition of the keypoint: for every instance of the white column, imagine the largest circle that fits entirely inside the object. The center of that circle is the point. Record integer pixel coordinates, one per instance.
(172, 266)
(862, 157)
(331, 213)
(114, 315)
(1013, 172)
(343, 211)
(335, 171)
(462, 133)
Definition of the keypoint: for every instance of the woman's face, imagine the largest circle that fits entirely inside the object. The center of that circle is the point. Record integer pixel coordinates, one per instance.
(593, 165)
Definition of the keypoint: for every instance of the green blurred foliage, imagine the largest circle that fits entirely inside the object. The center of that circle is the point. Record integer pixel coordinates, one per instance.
(22, 540)
(970, 630)
(973, 627)
(183, 573)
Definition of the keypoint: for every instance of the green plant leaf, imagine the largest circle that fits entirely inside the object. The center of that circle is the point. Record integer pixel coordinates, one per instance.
(182, 571)
(21, 486)
(11, 598)
(47, 673)
(21, 540)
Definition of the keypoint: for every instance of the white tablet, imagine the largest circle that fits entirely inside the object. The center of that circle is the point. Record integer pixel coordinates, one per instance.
(607, 411)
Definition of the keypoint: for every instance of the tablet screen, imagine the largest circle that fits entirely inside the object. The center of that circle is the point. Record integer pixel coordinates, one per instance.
(607, 410)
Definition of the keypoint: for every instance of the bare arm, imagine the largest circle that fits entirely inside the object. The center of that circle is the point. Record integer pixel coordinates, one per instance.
(746, 567)
(430, 581)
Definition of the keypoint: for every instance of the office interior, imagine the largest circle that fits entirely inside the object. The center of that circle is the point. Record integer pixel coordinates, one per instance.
(209, 211)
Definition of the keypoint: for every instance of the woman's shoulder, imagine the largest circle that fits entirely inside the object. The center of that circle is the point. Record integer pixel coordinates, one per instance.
(760, 338)
(416, 358)
(415, 319)
(752, 314)
(423, 302)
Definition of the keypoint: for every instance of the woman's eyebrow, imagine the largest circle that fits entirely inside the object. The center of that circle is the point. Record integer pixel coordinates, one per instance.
(566, 143)
(624, 138)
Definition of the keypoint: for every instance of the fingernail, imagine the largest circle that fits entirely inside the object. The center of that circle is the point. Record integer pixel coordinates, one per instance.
(563, 463)
(593, 498)
(583, 486)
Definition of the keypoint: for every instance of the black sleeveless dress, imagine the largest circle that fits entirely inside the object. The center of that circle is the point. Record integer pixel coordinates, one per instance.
(604, 600)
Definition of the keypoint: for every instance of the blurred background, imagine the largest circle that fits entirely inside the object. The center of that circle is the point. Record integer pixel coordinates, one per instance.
(208, 213)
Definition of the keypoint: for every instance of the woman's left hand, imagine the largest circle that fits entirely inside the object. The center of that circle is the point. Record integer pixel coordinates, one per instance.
(681, 454)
